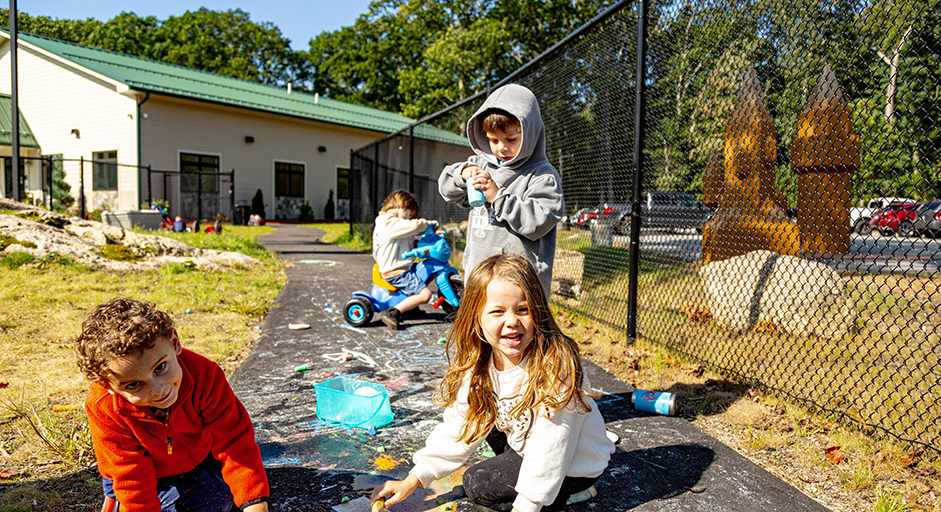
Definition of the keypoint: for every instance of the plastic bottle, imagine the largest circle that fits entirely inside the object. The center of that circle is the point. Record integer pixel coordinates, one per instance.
(474, 196)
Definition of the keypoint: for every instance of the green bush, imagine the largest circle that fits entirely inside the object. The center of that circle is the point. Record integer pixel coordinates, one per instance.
(306, 213)
(329, 210)
(258, 204)
(16, 260)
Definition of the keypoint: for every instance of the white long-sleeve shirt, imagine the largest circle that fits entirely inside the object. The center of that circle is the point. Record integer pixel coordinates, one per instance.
(391, 238)
(567, 443)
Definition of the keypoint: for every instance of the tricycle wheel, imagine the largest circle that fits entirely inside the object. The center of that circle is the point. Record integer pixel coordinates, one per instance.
(358, 311)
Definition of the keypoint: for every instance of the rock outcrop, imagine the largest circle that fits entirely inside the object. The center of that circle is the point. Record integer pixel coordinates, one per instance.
(40, 232)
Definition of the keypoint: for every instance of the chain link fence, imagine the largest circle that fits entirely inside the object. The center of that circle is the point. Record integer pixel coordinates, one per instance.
(788, 198)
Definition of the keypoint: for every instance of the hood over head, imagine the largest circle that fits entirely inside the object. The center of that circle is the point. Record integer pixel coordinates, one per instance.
(521, 102)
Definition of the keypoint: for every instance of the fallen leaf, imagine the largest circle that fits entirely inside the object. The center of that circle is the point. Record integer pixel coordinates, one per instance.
(834, 454)
(4, 384)
(11, 472)
(907, 460)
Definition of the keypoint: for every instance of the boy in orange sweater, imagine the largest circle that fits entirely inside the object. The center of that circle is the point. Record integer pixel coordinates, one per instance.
(169, 433)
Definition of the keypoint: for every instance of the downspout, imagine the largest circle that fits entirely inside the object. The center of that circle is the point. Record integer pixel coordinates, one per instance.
(140, 189)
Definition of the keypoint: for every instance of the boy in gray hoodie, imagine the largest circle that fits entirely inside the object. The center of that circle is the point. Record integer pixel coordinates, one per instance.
(522, 189)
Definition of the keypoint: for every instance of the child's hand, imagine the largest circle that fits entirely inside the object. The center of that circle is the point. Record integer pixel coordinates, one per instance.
(257, 507)
(486, 185)
(399, 489)
(469, 172)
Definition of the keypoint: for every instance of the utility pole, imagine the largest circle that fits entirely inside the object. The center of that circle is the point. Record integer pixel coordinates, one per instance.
(14, 108)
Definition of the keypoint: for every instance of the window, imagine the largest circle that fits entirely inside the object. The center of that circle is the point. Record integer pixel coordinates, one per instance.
(191, 164)
(104, 170)
(343, 183)
(288, 179)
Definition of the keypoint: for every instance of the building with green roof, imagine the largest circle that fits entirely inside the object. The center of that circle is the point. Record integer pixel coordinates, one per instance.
(132, 129)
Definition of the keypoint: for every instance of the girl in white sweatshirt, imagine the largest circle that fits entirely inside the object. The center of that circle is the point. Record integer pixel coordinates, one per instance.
(515, 380)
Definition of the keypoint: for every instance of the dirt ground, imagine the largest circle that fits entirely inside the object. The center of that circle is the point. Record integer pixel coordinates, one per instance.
(840, 467)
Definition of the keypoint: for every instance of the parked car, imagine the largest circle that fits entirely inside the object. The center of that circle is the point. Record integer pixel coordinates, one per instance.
(587, 216)
(929, 220)
(860, 217)
(896, 219)
(583, 217)
(664, 210)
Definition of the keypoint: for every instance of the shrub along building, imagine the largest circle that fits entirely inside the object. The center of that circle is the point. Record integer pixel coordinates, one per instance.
(130, 129)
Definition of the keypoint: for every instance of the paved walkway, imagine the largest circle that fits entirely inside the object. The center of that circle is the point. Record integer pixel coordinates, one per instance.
(662, 463)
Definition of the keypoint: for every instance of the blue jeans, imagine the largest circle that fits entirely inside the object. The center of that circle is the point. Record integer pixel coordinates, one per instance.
(200, 490)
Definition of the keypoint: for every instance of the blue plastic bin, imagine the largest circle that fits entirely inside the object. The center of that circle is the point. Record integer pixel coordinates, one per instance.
(348, 401)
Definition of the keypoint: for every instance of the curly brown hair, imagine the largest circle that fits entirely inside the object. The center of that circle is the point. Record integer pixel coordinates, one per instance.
(555, 375)
(401, 199)
(116, 328)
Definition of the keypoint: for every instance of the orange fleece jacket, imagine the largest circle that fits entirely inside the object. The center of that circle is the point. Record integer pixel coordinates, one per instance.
(132, 446)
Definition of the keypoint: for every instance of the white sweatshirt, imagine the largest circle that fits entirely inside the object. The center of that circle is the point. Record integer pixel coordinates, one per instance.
(568, 443)
(391, 238)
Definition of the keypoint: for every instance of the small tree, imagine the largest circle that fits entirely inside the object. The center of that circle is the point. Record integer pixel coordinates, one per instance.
(61, 199)
(329, 208)
(258, 204)
(306, 213)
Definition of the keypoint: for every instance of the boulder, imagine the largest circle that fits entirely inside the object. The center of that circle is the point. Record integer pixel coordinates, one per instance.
(799, 296)
(567, 273)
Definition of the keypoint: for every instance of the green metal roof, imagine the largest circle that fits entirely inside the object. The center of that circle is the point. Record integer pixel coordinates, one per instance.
(160, 78)
(27, 139)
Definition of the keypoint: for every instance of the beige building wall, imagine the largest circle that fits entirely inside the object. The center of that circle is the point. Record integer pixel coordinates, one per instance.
(56, 98)
(170, 126)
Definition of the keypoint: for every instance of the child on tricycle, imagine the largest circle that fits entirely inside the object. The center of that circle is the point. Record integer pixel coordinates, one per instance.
(402, 273)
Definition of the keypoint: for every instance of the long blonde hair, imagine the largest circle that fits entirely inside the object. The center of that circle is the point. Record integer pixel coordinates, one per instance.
(555, 374)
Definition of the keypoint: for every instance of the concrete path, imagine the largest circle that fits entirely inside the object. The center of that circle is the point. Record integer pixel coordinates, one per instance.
(662, 463)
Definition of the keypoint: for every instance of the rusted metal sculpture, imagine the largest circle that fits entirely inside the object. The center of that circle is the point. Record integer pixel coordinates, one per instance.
(825, 155)
(752, 213)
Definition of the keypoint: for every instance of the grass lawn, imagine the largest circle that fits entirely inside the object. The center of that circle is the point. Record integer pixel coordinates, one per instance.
(42, 426)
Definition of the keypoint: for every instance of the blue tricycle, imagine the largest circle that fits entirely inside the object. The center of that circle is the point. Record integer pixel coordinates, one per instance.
(431, 253)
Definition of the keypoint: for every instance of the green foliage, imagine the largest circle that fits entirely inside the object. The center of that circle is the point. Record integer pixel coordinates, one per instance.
(416, 57)
(225, 42)
(329, 209)
(61, 199)
(306, 213)
(7, 240)
(258, 204)
(118, 253)
(16, 260)
(180, 268)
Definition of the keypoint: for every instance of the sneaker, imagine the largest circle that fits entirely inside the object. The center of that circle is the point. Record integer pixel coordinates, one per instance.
(585, 495)
(391, 317)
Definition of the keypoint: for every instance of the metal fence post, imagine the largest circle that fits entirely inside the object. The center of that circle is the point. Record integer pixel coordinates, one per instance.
(232, 194)
(375, 184)
(150, 194)
(81, 186)
(49, 176)
(14, 108)
(639, 128)
(411, 160)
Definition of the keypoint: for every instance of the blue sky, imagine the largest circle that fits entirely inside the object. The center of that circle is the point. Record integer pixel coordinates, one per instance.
(299, 20)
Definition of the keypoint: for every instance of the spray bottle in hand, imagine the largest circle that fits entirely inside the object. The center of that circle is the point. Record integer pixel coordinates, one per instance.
(474, 196)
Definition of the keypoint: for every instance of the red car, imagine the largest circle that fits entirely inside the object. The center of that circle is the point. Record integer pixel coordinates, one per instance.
(896, 219)
(584, 218)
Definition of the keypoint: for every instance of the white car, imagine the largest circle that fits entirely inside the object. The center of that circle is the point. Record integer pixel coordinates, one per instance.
(859, 217)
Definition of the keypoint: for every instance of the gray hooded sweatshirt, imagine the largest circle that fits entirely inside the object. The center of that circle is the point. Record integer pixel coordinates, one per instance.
(523, 216)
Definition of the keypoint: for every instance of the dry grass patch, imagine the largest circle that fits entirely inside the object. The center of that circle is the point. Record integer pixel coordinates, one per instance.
(43, 430)
(858, 473)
